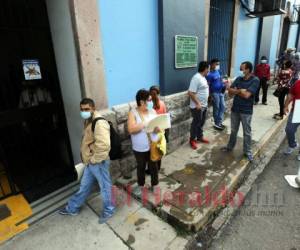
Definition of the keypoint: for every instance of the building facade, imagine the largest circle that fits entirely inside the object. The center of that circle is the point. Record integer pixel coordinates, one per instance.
(107, 50)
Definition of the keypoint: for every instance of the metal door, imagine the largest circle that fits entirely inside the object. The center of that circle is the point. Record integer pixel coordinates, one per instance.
(220, 32)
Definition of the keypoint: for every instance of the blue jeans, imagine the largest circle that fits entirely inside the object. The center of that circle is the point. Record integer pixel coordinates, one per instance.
(218, 107)
(291, 129)
(98, 172)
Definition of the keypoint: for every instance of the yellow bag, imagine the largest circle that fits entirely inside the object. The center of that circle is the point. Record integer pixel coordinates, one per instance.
(155, 153)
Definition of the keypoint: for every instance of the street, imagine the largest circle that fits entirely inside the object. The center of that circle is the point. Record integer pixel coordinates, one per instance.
(270, 217)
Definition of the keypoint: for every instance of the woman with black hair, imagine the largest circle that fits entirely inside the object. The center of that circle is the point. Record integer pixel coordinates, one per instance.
(138, 119)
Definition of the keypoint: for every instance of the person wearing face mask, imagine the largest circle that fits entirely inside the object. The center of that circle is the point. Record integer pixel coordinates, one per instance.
(95, 148)
(216, 87)
(138, 119)
(243, 89)
(262, 71)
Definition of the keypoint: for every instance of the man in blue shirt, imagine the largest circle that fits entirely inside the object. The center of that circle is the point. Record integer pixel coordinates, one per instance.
(243, 89)
(216, 87)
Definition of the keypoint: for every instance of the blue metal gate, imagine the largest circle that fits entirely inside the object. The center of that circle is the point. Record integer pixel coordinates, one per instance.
(220, 32)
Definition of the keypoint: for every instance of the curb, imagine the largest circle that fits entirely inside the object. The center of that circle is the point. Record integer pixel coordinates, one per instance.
(273, 139)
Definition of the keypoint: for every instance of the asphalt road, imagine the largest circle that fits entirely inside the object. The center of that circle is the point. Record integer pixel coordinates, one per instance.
(270, 217)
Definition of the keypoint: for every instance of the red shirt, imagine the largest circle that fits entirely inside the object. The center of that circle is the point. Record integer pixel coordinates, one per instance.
(263, 70)
(162, 108)
(295, 91)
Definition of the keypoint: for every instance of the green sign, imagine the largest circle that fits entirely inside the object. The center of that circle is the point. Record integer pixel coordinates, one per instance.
(186, 51)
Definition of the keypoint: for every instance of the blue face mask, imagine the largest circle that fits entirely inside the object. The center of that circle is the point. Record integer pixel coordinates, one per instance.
(149, 105)
(85, 115)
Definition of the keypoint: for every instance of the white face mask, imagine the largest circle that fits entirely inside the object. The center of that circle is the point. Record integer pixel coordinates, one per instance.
(217, 67)
(263, 61)
(242, 74)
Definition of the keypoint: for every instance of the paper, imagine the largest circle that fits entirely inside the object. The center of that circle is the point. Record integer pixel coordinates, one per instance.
(291, 180)
(32, 70)
(161, 121)
(296, 116)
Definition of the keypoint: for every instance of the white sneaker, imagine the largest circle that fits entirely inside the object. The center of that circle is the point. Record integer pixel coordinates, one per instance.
(298, 157)
(290, 150)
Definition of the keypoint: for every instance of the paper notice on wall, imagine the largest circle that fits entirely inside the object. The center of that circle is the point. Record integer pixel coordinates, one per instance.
(32, 70)
(296, 115)
(161, 121)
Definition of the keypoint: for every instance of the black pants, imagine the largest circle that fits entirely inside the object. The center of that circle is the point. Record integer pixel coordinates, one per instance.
(281, 99)
(143, 159)
(264, 86)
(199, 117)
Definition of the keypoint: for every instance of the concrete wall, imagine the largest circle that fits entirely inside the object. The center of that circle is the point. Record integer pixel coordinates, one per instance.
(275, 41)
(130, 43)
(246, 42)
(292, 36)
(270, 38)
(65, 54)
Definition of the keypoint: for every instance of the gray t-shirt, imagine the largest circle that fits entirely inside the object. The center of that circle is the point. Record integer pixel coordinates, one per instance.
(199, 86)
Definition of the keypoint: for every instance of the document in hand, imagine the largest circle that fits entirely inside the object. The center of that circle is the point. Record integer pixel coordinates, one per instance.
(296, 116)
(162, 121)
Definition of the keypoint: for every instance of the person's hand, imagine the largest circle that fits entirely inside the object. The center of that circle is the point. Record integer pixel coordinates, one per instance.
(144, 124)
(156, 130)
(198, 106)
(286, 110)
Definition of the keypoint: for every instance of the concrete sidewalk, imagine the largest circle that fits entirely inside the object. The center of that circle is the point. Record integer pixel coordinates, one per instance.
(195, 184)
(187, 178)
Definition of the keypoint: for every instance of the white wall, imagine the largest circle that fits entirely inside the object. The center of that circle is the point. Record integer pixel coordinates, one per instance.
(67, 67)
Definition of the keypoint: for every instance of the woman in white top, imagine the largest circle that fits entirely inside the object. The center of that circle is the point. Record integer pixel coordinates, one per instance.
(137, 121)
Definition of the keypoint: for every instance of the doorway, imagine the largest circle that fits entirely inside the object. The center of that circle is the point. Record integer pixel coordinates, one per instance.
(221, 18)
(35, 152)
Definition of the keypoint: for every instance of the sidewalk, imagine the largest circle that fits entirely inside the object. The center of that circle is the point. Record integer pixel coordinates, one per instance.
(193, 186)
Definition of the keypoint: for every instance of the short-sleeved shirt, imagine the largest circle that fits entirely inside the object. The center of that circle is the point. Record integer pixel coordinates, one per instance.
(199, 86)
(295, 91)
(215, 81)
(243, 105)
(284, 78)
(162, 108)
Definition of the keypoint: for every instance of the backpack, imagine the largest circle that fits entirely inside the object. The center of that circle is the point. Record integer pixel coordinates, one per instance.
(115, 152)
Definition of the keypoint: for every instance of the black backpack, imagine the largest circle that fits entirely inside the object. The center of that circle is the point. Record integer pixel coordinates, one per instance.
(115, 152)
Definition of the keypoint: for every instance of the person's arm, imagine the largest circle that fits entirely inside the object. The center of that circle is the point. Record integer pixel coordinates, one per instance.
(133, 126)
(192, 92)
(233, 90)
(288, 100)
(195, 99)
(102, 142)
(247, 93)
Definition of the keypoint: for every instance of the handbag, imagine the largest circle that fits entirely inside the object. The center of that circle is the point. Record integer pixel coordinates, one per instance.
(277, 92)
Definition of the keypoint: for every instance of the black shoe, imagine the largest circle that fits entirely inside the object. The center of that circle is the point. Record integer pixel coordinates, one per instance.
(218, 127)
(223, 126)
(249, 157)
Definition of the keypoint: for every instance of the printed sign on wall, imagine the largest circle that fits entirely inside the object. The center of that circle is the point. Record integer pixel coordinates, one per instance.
(32, 70)
(186, 51)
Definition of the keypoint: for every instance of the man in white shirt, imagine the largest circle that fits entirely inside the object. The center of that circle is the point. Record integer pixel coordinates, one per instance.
(198, 93)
